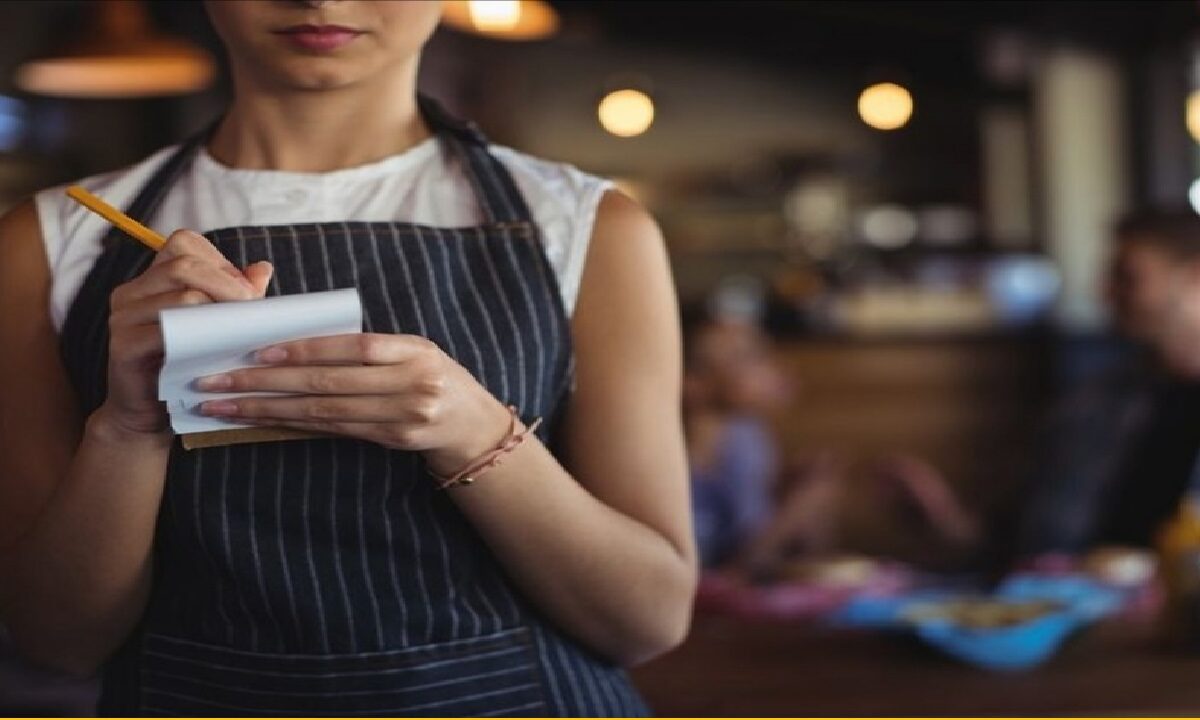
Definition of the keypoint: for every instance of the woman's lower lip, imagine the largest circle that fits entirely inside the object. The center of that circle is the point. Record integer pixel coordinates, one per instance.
(321, 41)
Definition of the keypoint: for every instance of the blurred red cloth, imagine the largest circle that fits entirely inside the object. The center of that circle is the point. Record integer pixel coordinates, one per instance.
(793, 600)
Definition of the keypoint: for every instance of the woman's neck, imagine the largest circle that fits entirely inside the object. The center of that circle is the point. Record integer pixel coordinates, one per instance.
(318, 130)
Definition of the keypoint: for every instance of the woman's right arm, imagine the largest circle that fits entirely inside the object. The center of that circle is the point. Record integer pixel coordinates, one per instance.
(79, 496)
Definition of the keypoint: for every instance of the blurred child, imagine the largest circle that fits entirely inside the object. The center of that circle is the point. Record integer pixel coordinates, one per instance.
(730, 383)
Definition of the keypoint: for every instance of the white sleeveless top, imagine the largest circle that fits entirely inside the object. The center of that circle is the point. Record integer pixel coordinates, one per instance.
(419, 185)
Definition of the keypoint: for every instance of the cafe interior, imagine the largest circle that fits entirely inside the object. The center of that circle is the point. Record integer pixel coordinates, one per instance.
(939, 257)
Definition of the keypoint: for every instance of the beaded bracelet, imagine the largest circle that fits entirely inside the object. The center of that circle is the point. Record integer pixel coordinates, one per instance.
(512, 440)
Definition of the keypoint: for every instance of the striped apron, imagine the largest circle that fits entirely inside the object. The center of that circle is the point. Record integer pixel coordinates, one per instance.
(330, 576)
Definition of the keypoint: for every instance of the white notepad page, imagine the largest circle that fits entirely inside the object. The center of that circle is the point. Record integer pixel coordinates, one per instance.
(207, 339)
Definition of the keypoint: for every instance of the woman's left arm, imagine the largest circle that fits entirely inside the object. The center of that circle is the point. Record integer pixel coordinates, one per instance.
(605, 548)
(610, 557)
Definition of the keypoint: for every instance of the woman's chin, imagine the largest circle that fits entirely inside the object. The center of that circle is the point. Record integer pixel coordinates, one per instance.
(316, 74)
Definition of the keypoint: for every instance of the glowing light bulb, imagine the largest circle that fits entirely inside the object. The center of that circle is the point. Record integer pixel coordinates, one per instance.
(885, 106)
(1193, 114)
(502, 19)
(495, 15)
(626, 113)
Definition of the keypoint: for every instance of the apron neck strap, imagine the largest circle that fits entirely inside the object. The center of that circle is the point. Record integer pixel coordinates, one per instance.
(155, 189)
(495, 190)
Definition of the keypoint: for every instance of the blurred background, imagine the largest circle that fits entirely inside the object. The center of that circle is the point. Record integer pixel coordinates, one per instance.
(914, 202)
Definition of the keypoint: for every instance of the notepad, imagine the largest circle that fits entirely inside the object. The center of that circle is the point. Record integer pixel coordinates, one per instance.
(218, 337)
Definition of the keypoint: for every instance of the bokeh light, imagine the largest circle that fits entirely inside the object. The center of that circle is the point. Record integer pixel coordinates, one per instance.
(502, 19)
(1193, 114)
(495, 15)
(885, 106)
(1194, 195)
(888, 226)
(626, 113)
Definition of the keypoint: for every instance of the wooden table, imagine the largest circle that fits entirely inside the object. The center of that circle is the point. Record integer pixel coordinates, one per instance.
(734, 667)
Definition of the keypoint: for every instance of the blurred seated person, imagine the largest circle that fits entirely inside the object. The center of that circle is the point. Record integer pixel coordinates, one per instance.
(1118, 455)
(732, 385)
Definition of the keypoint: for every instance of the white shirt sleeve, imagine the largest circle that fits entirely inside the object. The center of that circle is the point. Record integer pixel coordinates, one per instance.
(73, 235)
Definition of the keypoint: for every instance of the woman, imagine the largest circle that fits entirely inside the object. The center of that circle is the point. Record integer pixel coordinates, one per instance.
(332, 575)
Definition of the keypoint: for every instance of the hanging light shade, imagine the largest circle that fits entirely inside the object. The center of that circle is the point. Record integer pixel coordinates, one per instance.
(502, 19)
(120, 57)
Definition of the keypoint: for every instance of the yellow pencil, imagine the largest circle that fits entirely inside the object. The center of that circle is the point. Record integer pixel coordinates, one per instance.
(131, 227)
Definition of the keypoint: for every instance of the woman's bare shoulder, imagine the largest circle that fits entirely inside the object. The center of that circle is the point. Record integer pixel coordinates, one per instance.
(23, 264)
(22, 219)
(626, 246)
(24, 269)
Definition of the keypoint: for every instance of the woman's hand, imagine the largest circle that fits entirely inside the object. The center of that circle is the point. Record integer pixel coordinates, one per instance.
(187, 271)
(400, 391)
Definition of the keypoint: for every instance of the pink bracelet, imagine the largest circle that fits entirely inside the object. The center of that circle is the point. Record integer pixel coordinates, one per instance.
(512, 440)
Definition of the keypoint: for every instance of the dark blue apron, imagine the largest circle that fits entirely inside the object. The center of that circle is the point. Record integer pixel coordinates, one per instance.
(330, 576)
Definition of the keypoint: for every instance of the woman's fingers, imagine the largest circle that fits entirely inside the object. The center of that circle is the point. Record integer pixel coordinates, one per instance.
(357, 348)
(145, 311)
(189, 260)
(188, 243)
(390, 389)
(184, 271)
(259, 274)
(319, 409)
(313, 380)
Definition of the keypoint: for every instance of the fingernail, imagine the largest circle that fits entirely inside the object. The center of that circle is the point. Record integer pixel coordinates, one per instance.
(272, 355)
(218, 407)
(215, 382)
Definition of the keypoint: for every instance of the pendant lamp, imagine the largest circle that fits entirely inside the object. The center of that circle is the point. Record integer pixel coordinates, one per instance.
(121, 56)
